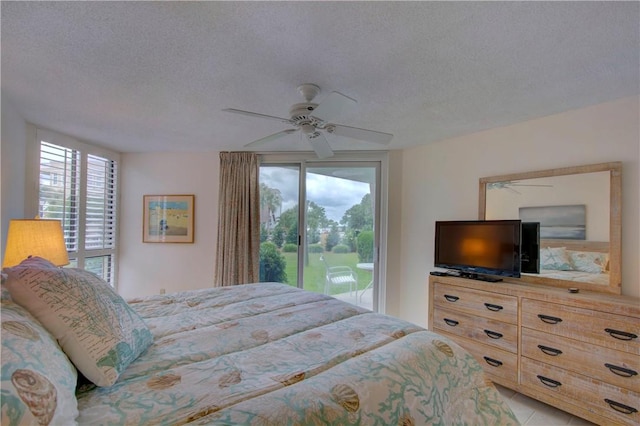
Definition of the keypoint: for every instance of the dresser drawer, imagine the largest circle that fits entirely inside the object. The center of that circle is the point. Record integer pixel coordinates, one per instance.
(477, 302)
(619, 405)
(609, 365)
(495, 362)
(601, 328)
(490, 332)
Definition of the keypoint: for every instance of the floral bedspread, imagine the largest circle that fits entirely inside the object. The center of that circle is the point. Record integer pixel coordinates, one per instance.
(267, 354)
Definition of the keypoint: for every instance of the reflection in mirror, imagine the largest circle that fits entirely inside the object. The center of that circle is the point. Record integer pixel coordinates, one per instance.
(578, 209)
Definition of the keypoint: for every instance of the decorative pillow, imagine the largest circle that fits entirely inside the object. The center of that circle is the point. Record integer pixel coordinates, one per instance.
(4, 293)
(38, 380)
(31, 261)
(555, 258)
(587, 261)
(96, 328)
(37, 262)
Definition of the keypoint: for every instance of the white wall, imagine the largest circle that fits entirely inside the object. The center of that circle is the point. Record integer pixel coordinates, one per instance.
(13, 153)
(145, 268)
(440, 182)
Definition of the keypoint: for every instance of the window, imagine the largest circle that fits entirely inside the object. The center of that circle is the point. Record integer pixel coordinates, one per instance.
(77, 184)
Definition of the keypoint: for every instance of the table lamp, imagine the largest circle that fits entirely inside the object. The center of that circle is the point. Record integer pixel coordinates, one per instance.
(35, 237)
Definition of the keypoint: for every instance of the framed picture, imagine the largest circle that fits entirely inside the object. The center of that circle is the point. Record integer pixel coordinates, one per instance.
(167, 219)
(558, 222)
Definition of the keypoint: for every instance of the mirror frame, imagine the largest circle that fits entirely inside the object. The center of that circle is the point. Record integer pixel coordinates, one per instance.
(615, 221)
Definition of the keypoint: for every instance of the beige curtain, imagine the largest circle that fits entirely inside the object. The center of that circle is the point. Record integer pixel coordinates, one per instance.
(238, 251)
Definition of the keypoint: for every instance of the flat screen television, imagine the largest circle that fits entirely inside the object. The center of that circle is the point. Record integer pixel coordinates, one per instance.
(479, 249)
(530, 248)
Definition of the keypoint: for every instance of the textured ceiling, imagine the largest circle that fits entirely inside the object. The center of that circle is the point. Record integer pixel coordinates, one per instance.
(155, 76)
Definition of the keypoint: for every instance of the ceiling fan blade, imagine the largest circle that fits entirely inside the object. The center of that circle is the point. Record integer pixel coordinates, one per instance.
(360, 134)
(271, 137)
(319, 144)
(333, 106)
(255, 114)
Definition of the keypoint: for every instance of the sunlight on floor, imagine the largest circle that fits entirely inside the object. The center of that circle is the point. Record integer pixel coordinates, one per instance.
(530, 412)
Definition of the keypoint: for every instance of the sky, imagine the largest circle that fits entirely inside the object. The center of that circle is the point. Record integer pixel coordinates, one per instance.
(335, 194)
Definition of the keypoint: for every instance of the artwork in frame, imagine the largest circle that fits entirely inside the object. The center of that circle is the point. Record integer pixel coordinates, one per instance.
(558, 222)
(168, 219)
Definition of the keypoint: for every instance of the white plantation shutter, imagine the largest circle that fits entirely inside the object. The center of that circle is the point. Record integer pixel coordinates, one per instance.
(60, 189)
(79, 188)
(100, 216)
(101, 203)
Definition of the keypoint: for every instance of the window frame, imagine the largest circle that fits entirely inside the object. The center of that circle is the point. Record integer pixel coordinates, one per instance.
(34, 136)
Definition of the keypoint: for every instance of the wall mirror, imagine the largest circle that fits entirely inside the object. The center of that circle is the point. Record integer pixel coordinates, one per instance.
(579, 211)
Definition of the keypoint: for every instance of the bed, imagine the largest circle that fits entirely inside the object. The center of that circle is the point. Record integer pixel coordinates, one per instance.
(263, 354)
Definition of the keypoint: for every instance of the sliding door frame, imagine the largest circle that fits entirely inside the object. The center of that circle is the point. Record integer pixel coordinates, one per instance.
(376, 159)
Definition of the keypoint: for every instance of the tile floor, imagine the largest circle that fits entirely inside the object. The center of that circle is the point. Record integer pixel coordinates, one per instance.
(364, 298)
(530, 412)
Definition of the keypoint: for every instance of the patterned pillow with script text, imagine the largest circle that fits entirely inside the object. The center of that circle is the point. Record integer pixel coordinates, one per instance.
(95, 327)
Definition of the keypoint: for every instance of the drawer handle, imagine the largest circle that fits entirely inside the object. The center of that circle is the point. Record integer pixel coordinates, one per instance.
(549, 382)
(550, 351)
(451, 298)
(451, 322)
(549, 319)
(492, 307)
(625, 409)
(493, 334)
(621, 371)
(622, 335)
(493, 362)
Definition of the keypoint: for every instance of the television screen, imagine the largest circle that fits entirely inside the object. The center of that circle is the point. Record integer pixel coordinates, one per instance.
(479, 248)
(530, 248)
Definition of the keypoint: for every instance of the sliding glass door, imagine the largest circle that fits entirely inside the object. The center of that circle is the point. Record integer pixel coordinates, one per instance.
(340, 221)
(279, 218)
(331, 244)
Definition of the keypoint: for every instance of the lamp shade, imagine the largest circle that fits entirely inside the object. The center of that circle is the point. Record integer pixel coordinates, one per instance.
(35, 237)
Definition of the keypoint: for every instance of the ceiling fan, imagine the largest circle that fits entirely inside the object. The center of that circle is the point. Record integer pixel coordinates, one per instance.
(508, 185)
(312, 120)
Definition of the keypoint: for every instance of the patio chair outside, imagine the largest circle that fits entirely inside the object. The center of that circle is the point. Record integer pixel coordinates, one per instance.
(339, 276)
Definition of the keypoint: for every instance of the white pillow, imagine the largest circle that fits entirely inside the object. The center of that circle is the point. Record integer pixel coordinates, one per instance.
(587, 261)
(95, 327)
(555, 258)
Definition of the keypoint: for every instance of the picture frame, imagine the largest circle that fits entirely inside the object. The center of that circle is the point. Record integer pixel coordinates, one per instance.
(168, 218)
(558, 222)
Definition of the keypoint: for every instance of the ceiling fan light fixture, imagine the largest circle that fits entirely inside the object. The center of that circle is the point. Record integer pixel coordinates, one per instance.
(307, 128)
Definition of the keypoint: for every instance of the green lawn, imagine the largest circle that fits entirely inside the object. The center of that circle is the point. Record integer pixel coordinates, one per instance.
(314, 272)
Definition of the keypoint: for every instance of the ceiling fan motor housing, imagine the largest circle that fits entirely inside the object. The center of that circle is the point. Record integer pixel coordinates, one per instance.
(301, 114)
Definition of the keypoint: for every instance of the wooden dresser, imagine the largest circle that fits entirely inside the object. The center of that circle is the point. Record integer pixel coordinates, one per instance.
(578, 352)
